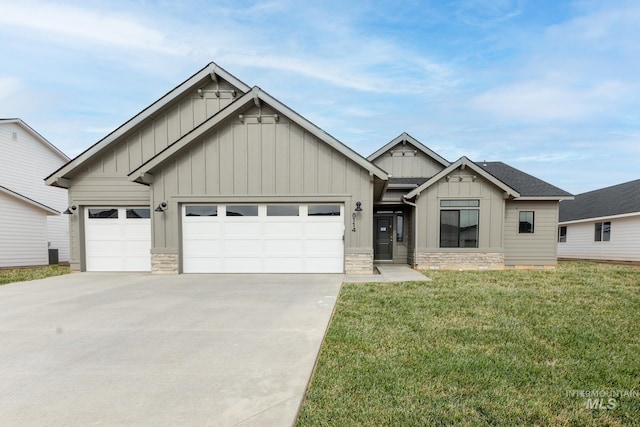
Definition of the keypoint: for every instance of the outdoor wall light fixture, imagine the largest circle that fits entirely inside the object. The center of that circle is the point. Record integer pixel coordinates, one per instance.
(358, 206)
(161, 207)
(70, 210)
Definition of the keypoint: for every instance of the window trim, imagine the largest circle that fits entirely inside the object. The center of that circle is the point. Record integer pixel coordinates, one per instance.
(477, 239)
(525, 223)
(602, 231)
(562, 238)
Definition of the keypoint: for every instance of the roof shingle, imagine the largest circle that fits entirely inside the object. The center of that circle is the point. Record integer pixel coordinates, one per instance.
(525, 184)
(615, 200)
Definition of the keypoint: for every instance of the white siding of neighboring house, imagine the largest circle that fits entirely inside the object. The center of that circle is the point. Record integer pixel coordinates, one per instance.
(23, 226)
(24, 163)
(623, 246)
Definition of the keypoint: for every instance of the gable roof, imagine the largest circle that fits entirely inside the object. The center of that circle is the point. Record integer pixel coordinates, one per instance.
(527, 185)
(463, 162)
(37, 136)
(254, 96)
(617, 199)
(411, 140)
(210, 71)
(38, 205)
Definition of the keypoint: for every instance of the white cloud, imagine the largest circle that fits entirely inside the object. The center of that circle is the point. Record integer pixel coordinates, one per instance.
(549, 100)
(81, 26)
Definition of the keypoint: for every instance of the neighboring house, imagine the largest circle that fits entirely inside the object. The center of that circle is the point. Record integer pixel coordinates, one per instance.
(216, 176)
(602, 224)
(31, 220)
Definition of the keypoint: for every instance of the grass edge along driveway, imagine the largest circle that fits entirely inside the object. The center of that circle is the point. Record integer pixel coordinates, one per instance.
(23, 274)
(555, 348)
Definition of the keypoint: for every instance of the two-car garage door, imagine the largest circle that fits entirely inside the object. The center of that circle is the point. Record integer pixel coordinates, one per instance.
(263, 238)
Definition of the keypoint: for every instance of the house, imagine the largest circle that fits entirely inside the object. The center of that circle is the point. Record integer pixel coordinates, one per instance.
(602, 224)
(217, 176)
(31, 220)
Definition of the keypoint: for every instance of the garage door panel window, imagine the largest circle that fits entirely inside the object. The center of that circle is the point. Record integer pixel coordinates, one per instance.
(103, 213)
(283, 210)
(138, 213)
(201, 210)
(324, 210)
(242, 210)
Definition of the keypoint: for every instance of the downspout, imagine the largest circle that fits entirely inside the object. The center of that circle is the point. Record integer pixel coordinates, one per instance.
(415, 228)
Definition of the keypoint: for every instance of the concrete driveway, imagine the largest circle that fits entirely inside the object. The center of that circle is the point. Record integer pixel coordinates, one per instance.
(141, 349)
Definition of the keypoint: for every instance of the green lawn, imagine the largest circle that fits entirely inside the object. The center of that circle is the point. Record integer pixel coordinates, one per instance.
(483, 348)
(11, 275)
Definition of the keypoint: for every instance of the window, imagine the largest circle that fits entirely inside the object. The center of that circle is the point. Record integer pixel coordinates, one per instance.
(138, 213)
(603, 231)
(459, 228)
(103, 213)
(283, 210)
(562, 233)
(324, 210)
(201, 210)
(399, 228)
(242, 210)
(526, 222)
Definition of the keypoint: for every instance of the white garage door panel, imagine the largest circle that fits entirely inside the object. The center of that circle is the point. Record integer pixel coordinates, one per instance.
(117, 244)
(263, 244)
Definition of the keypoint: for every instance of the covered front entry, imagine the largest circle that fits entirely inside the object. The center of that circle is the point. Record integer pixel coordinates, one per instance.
(263, 238)
(390, 234)
(117, 238)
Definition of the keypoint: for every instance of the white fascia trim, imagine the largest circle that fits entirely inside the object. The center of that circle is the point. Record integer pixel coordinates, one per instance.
(600, 218)
(411, 140)
(38, 205)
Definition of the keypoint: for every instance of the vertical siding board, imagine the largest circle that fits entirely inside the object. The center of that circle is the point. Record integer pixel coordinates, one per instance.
(169, 217)
(146, 139)
(198, 169)
(283, 152)
(160, 134)
(296, 159)
(135, 150)
(338, 173)
(324, 168)
(212, 164)
(254, 165)
(240, 157)
(310, 163)
(173, 125)
(122, 158)
(199, 110)
(184, 173)
(268, 158)
(186, 116)
(158, 231)
(226, 160)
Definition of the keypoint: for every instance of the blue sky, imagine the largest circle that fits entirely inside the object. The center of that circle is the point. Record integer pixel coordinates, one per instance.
(550, 87)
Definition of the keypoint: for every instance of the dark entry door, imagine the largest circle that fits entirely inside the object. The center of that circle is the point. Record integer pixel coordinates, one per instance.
(383, 236)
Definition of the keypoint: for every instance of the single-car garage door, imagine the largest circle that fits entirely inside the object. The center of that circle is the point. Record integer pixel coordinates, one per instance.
(117, 239)
(263, 238)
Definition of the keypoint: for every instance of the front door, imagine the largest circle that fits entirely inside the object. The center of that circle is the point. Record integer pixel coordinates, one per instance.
(383, 235)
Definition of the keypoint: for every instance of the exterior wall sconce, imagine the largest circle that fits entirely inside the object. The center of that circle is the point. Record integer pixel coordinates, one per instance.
(358, 206)
(161, 207)
(70, 210)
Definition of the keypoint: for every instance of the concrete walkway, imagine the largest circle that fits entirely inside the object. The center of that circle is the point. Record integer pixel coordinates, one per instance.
(118, 349)
(388, 273)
